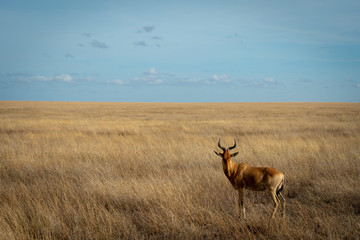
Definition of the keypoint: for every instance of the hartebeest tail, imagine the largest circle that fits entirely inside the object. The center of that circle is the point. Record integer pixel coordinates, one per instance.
(280, 188)
(243, 176)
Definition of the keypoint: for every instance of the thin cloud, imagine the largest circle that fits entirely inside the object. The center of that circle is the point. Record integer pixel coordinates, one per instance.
(269, 80)
(236, 37)
(304, 80)
(117, 82)
(155, 81)
(86, 35)
(151, 39)
(18, 75)
(262, 83)
(156, 38)
(148, 80)
(63, 78)
(140, 44)
(97, 44)
(68, 55)
(221, 78)
(233, 35)
(147, 29)
(143, 43)
(194, 80)
(216, 79)
(42, 78)
(151, 71)
(149, 77)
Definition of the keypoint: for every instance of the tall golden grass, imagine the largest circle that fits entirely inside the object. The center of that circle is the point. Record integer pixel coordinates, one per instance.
(148, 170)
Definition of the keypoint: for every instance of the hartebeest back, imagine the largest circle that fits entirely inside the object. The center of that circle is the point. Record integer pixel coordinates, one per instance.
(243, 176)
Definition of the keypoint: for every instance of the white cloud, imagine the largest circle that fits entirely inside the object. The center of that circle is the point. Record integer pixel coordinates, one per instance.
(266, 82)
(193, 80)
(151, 71)
(40, 78)
(63, 78)
(118, 81)
(155, 82)
(220, 78)
(149, 77)
(269, 79)
(149, 80)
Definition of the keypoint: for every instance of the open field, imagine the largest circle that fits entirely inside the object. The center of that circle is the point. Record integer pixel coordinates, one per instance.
(148, 170)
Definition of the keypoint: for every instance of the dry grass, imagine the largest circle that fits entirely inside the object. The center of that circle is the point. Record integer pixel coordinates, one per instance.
(148, 171)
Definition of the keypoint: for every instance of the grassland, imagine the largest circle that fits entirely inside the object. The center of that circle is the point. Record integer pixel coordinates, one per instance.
(148, 170)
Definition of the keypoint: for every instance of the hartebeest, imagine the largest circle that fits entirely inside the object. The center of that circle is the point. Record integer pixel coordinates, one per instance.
(243, 176)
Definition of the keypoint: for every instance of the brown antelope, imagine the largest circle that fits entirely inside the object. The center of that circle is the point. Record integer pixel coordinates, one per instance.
(243, 176)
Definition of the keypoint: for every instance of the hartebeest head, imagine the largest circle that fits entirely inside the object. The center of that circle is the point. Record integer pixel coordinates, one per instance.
(226, 156)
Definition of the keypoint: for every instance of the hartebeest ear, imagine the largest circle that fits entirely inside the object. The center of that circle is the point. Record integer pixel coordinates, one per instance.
(217, 153)
(234, 154)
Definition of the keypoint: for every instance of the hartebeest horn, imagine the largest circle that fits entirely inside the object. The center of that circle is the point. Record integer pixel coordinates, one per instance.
(234, 145)
(221, 146)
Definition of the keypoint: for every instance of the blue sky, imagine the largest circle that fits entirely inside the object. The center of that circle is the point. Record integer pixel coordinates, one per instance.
(180, 51)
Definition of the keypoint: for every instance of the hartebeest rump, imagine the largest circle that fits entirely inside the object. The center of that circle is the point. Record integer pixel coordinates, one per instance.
(243, 176)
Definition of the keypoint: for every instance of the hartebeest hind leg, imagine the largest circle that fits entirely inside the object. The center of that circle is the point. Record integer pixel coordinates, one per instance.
(276, 198)
(283, 200)
(241, 201)
(276, 201)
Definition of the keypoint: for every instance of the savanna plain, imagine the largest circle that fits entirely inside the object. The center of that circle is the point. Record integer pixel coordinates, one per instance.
(148, 170)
